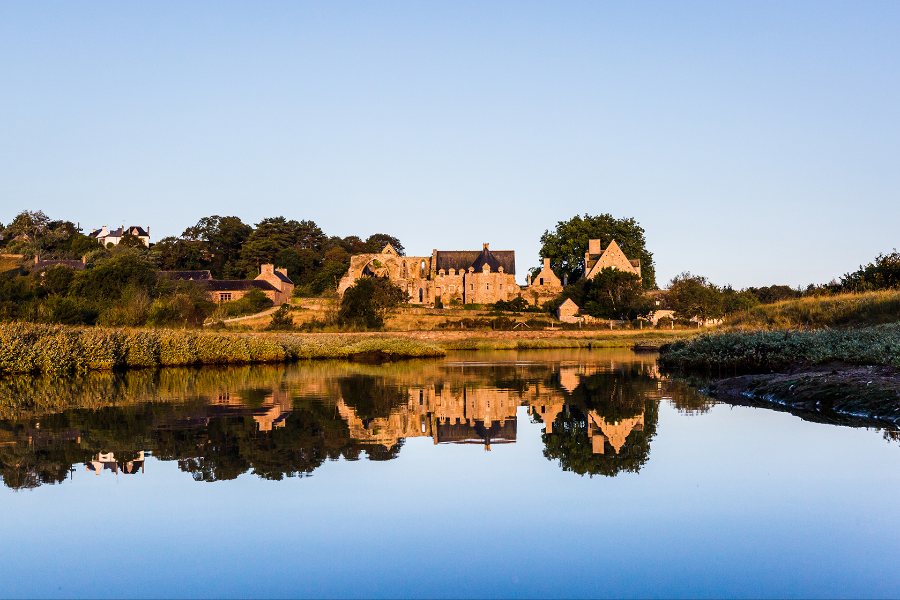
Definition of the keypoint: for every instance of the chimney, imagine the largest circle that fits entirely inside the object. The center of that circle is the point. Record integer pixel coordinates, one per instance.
(546, 264)
(267, 269)
(595, 246)
(486, 246)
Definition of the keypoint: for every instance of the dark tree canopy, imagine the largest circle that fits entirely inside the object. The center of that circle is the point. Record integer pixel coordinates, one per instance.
(368, 301)
(881, 274)
(612, 294)
(566, 245)
(377, 242)
(695, 296)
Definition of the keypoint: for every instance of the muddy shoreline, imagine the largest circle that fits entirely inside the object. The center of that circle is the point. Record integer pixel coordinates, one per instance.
(835, 393)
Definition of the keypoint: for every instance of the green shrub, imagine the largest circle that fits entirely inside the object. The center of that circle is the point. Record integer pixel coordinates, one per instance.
(281, 320)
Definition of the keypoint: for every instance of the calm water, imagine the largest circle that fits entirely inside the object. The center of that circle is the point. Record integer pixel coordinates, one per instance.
(574, 473)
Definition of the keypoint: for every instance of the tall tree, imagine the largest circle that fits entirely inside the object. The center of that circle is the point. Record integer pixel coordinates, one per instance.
(376, 243)
(694, 296)
(566, 245)
(222, 239)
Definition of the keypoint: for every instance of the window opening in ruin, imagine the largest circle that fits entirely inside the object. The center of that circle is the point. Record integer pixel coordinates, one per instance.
(420, 294)
(541, 281)
(422, 269)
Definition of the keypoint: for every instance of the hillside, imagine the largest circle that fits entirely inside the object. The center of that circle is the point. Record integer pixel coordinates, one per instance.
(844, 310)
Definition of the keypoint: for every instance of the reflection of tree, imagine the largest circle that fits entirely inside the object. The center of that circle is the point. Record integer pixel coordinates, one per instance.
(577, 440)
(571, 445)
(371, 397)
(689, 401)
(23, 468)
(210, 448)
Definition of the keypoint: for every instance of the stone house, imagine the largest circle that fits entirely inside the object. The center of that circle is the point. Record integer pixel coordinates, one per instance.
(105, 236)
(596, 259)
(274, 283)
(464, 276)
(544, 287)
(568, 312)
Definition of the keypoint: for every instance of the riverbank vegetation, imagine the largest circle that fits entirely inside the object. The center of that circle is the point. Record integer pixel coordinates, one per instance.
(743, 352)
(26, 347)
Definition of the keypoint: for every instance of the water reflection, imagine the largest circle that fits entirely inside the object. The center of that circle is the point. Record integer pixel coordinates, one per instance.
(599, 410)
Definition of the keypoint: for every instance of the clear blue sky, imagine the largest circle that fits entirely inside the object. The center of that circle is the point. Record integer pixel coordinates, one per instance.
(757, 143)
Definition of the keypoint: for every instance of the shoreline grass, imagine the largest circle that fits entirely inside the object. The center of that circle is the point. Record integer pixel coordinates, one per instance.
(29, 348)
(742, 352)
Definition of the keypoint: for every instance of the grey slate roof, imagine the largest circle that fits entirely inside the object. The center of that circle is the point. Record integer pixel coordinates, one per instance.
(283, 277)
(186, 275)
(226, 285)
(463, 259)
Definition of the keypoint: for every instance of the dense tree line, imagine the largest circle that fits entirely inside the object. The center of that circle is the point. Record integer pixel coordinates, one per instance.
(232, 249)
(120, 285)
(695, 296)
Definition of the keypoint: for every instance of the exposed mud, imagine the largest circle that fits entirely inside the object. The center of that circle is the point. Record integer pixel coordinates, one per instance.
(832, 394)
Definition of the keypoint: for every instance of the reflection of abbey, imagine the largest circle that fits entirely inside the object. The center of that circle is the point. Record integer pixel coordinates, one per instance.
(220, 424)
(472, 276)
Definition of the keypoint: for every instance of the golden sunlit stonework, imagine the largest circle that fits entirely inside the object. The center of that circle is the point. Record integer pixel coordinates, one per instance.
(447, 276)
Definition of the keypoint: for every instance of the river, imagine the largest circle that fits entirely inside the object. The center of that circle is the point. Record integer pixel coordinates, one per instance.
(568, 473)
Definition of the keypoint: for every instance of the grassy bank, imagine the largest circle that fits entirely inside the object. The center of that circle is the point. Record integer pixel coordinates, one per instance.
(28, 348)
(738, 352)
(844, 310)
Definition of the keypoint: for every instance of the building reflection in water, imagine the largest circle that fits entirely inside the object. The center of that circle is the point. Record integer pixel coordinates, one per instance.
(598, 416)
(108, 461)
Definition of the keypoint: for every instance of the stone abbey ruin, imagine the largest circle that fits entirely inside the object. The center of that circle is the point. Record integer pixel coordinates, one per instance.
(473, 276)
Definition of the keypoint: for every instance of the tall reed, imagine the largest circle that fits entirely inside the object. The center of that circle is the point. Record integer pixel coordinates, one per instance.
(27, 347)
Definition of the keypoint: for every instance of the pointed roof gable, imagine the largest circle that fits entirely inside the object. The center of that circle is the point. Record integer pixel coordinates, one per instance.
(612, 256)
(486, 258)
(388, 249)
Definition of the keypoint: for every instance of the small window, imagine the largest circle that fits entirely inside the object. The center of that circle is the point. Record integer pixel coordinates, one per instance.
(541, 281)
(224, 297)
(487, 286)
(471, 286)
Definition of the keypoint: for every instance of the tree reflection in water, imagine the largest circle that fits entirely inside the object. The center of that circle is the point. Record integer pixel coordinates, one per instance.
(600, 412)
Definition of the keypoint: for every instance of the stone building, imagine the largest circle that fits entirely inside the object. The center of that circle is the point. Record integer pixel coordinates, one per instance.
(596, 259)
(545, 286)
(448, 276)
(568, 312)
(274, 283)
